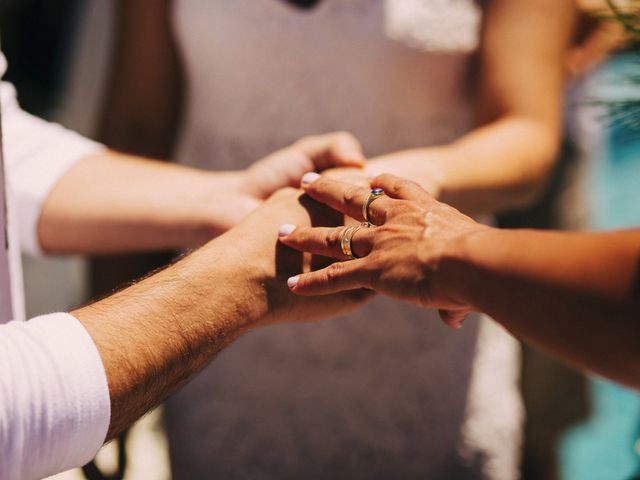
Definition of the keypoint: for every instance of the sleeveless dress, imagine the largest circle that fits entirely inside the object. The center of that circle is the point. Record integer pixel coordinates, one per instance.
(389, 391)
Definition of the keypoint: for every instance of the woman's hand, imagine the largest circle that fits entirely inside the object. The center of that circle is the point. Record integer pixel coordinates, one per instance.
(406, 256)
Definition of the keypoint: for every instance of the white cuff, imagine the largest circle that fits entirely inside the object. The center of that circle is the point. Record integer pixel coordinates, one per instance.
(55, 407)
(36, 154)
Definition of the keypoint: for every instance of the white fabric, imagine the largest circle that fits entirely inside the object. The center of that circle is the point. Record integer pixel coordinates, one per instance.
(54, 398)
(37, 154)
(394, 73)
(54, 412)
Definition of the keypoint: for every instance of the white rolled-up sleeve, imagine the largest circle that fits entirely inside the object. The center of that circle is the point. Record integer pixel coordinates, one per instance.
(36, 154)
(54, 398)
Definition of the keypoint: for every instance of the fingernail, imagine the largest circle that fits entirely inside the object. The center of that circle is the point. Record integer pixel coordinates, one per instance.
(293, 281)
(310, 177)
(285, 229)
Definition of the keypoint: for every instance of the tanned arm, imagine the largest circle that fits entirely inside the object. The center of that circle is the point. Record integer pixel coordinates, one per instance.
(576, 296)
(155, 335)
(504, 162)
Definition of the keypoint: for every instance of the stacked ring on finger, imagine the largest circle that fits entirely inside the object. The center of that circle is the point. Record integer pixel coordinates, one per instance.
(373, 195)
(347, 236)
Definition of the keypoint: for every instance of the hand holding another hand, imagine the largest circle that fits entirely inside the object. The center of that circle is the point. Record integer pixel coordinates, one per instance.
(285, 167)
(261, 264)
(406, 256)
(243, 191)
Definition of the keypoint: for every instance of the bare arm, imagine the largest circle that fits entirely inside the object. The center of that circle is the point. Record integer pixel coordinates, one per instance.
(504, 162)
(155, 335)
(111, 203)
(575, 295)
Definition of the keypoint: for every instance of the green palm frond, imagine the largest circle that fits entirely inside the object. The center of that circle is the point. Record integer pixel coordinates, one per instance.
(622, 98)
(629, 16)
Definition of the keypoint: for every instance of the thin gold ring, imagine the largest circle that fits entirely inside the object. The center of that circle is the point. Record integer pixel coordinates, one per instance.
(347, 236)
(373, 195)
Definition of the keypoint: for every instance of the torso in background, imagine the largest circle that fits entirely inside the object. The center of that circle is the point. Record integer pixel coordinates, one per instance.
(383, 393)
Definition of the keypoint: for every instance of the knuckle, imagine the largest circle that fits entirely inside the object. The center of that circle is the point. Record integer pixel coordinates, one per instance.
(371, 277)
(334, 272)
(351, 195)
(333, 238)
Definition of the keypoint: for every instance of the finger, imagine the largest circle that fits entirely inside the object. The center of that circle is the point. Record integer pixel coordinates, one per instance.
(345, 197)
(326, 241)
(355, 176)
(337, 277)
(401, 188)
(337, 149)
(453, 318)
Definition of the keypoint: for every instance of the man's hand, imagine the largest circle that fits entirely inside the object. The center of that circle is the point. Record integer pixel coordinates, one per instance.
(267, 263)
(157, 333)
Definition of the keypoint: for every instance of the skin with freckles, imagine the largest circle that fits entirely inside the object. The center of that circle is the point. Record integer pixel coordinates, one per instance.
(576, 295)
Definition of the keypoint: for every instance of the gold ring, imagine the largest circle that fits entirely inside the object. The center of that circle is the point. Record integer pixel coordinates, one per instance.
(373, 194)
(347, 236)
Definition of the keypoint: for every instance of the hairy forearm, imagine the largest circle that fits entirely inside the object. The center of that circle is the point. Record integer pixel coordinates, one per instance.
(155, 335)
(116, 203)
(575, 295)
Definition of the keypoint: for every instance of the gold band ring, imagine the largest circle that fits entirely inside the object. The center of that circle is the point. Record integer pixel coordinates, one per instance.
(347, 237)
(373, 195)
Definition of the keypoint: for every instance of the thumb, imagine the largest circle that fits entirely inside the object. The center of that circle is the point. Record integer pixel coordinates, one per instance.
(338, 149)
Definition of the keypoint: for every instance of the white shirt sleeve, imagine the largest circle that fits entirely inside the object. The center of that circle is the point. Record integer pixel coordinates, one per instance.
(37, 154)
(54, 398)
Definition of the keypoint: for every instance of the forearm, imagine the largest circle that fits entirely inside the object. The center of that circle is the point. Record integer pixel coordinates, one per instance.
(575, 295)
(155, 335)
(519, 87)
(500, 166)
(115, 203)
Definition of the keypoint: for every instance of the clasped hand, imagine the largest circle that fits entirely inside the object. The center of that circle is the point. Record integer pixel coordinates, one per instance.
(410, 254)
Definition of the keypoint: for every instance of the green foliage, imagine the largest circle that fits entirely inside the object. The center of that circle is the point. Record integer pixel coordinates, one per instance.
(629, 16)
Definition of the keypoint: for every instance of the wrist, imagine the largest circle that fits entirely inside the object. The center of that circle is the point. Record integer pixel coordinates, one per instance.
(459, 275)
(245, 263)
(224, 201)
